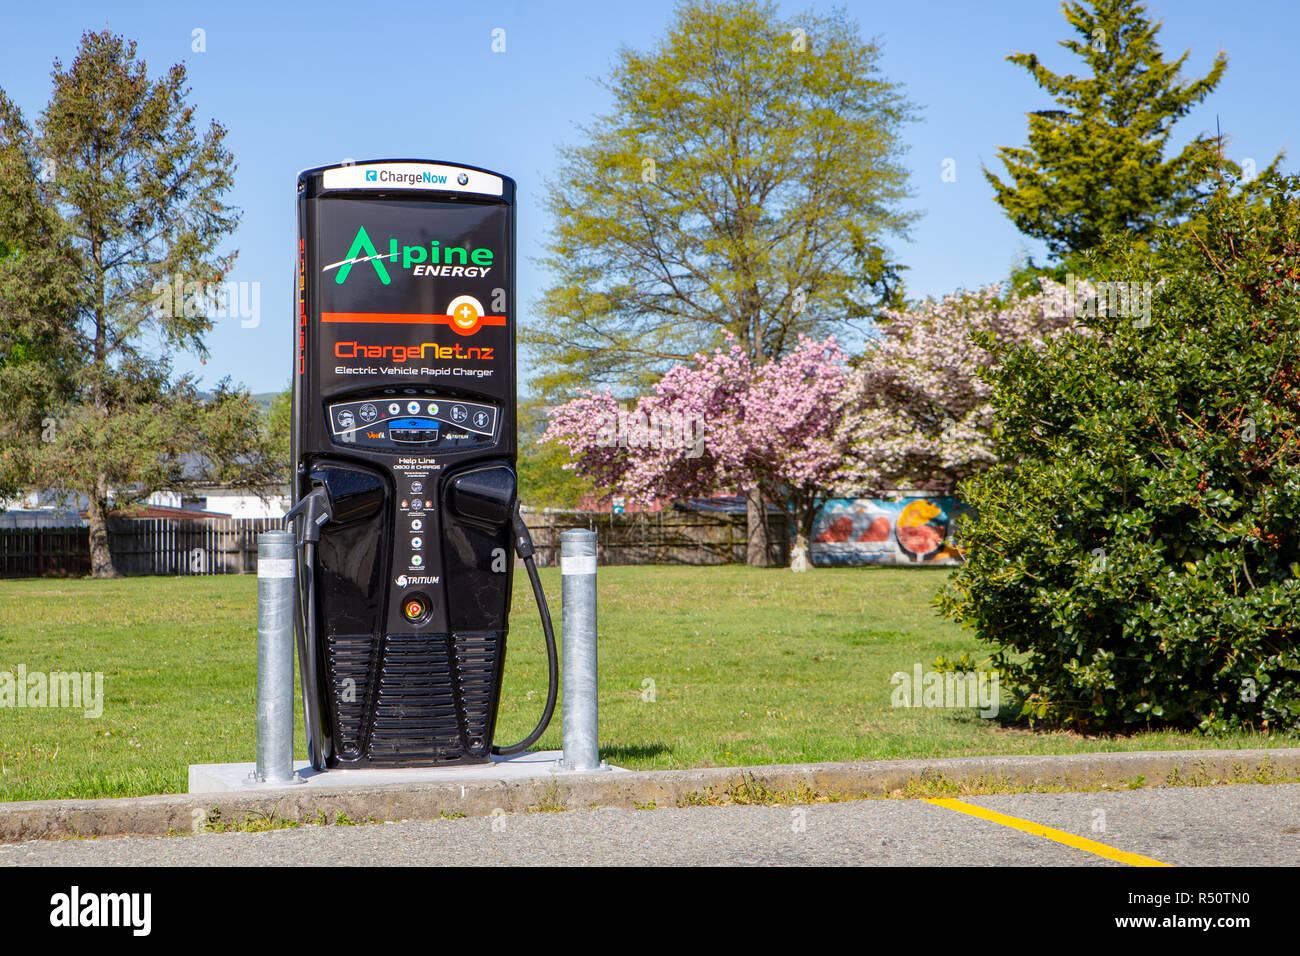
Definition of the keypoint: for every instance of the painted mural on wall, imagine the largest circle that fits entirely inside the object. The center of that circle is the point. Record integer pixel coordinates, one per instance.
(909, 530)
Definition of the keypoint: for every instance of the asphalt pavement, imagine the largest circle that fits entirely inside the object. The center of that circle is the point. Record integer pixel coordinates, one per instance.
(1239, 825)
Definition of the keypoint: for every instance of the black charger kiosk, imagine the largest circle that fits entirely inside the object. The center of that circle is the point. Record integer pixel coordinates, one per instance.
(404, 455)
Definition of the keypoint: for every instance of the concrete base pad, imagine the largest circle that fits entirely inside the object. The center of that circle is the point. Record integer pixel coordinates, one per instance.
(228, 777)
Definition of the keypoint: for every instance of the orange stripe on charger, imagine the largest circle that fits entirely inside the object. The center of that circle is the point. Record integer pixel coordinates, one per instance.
(404, 317)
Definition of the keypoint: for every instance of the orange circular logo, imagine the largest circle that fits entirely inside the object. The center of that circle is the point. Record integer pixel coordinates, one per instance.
(466, 314)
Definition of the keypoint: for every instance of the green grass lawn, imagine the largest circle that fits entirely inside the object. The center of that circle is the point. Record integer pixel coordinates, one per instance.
(749, 667)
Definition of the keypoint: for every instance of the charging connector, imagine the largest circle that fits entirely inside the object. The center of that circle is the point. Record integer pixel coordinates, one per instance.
(316, 510)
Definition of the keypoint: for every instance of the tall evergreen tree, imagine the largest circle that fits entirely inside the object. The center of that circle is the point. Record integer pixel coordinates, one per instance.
(133, 194)
(38, 290)
(1095, 165)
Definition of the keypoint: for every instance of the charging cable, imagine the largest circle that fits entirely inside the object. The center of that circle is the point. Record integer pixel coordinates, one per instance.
(524, 548)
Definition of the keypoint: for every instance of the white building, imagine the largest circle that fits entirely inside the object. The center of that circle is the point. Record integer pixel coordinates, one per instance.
(236, 503)
(226, 501)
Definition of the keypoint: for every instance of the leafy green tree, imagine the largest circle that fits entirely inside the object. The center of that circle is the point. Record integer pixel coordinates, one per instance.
(1134, 553)
(1096, 164)
(543, 481)
(136, 192)
(745, 181)
(279, 429)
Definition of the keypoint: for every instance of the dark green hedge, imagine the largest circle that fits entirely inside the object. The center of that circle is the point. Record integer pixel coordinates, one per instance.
(1136, 555)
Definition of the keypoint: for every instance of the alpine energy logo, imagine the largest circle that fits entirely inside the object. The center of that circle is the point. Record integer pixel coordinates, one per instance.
(361, 243)
(432, 259)
(409, 179)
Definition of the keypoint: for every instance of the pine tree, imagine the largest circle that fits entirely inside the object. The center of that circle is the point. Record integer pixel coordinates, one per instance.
(1096, 165)
(38, 290)
(130, 203)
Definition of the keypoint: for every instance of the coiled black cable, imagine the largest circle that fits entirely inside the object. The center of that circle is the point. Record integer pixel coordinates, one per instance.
(524, 548)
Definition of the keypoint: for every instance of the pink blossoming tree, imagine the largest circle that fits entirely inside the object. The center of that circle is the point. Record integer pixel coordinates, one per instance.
(720, 425)
(921, 415)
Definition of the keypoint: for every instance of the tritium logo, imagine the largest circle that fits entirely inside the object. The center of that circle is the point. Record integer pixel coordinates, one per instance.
(405, 580)
(433, 259)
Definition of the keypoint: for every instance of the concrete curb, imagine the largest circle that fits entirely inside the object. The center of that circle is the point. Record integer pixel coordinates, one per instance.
(185, 814)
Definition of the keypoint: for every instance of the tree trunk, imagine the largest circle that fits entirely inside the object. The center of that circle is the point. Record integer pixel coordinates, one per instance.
(802, 511)
(758, 549)
(101, 558)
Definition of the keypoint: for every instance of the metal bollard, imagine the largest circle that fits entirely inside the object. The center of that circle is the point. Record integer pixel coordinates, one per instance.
(276, 564)
(578, 634)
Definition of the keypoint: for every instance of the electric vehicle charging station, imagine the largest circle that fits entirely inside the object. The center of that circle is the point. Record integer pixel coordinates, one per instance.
(404, 451)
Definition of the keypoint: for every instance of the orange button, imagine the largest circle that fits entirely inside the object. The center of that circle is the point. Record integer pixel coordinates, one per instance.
(414, 609)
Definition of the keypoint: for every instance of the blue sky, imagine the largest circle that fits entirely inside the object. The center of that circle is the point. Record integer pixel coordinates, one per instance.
(301, 85)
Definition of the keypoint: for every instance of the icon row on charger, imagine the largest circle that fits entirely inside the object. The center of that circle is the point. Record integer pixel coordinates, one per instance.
(395, 408)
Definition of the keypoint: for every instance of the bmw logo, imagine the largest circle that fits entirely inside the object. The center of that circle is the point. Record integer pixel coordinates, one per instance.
(463, 178)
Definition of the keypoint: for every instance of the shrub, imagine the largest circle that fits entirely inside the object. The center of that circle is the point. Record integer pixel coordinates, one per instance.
(1135, 555)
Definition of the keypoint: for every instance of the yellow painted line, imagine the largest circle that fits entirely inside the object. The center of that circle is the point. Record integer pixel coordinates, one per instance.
(1037, 829)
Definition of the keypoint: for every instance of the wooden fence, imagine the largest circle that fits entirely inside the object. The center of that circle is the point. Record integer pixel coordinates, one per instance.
(658, 537)
(139, 546)
(229, 546)
(44, 552)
